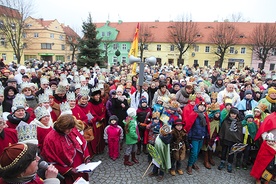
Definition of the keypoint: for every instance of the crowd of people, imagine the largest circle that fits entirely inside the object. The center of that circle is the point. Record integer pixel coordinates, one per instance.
(173, 110)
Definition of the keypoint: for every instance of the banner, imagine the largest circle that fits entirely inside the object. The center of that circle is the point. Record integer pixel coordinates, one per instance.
(134, 48)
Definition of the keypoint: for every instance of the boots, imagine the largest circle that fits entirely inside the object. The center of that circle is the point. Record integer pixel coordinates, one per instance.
(126, 161)
(189, 170)
(138, 148)
(222, 165)
(210, 156)
(133, 158)
(206, 160)
(238, 163)
(145, 150)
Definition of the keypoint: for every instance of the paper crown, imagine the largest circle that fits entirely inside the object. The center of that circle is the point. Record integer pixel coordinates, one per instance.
(261, 106)
(61, 89)
(27, 133)
(76, 79)
(65, 108)
(214, 107)
(2, 90)
(129, 77)
(155, 115)
(248, 114)
(174, 105)
(42, 98)
(95, 90)
(44, 80)
(70, 96)
(64, 82)
(270, 137)
(82, 78)
(84, 91)
(165, 130)
(198, 90)
(101, 79)
(25, 85)
(48, 91)
(62, 76)
(77, 85)
(41, 112)
(228, 101)
(19, 102)
(192, 97)
(214, 95)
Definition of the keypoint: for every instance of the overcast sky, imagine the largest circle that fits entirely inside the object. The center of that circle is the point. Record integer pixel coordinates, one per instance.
(73, 13)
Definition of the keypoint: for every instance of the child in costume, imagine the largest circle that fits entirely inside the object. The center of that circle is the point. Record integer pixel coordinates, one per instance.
(171, 113)
(198, 128)
(214, 117)
(178, 148)
(113, 135)
(143, 114)
(158, 107)
(259, 114)
(230, 133)
(249, 130)
(188, 108)
(247, 103)
(132, 136)
(225, 111)
(162, 146)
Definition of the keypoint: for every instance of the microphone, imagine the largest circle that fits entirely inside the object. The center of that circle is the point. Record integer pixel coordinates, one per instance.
(44, 165)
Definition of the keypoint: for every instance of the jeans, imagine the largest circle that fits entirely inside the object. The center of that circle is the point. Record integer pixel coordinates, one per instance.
(196, 146)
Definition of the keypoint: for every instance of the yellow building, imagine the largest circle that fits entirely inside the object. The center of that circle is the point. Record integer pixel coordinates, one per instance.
(46, 40)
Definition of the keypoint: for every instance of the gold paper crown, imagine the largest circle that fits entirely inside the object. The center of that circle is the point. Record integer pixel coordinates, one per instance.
(129, 77)
(192, 97)
(44, 80)
(174, 105)
(70, 96)
(42, 98)
(2, 90)
(214, 107)
(155, 75)
(192, 79)
(262, 107)
(84, 91)
(25, 85)
(65, 107)
(41, 112)
(48, 91)
(156, 115)
(214, 95)
(228, 101)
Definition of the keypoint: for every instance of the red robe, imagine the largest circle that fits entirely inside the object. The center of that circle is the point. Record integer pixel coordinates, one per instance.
(186, 111)
(36, 180)
(8, 136)
(41, 134)
(191, 119)
(79, 114)
(264, 157)
(98, 111)
(66, 152)
(12, 125)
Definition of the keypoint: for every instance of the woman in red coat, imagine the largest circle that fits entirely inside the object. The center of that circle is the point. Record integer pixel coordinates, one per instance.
(98, 111)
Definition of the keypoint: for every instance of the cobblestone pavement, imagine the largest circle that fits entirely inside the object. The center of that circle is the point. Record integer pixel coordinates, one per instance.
(112, 172)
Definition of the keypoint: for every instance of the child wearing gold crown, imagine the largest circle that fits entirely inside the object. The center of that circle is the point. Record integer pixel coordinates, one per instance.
(249, 131)
(259, 114)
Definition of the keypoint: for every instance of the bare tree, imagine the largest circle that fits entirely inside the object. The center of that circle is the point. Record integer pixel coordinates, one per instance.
(183, 34)
(223, 37)
(263, 39)
(72, 39)
(12, 23)
(237, 17)
(144, 39)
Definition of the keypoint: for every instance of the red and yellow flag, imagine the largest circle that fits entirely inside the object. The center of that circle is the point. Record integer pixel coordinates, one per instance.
(134, 48)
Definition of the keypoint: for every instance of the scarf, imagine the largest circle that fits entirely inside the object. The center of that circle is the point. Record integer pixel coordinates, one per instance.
(166, 139)
(250, 129)
(201, 117)
(233, 126)
(31, 97)
(184, 92)
(248, 104)
(21, 180)
(15, 120)
(270, 99)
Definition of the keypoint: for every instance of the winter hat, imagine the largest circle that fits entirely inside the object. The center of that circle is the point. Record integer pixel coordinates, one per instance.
(178, 122)
(143, 100)
(234, 110)
(113, 117)
(112, 92)
(202, 103)
(271, 90)
(248, 114)
(131, 112)
(247, 92)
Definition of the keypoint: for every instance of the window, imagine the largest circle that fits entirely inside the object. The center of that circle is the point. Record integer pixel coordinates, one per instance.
(232, 50)
(243, 50)
(172, 48)
(123, 59)
(218, 50)
(4, 56)
(103, 34)
(124, 47)
(46, 46)
(260, 65)
(146, 47)
(13, 26)
(61, 37)
(207, 49)
(158, 47)
(108, 34)
(36, 35)
(2, 41)
(14, 57)
(273, 52)
(62, 47)
(271, 66)
(59, 58)
(71, 48)
(195, 62)
(206, 62)
(24, 35)
(68, 57)
(115, 61)
(115, 46)
(27, 57)
(196, 48)
(52, 35)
